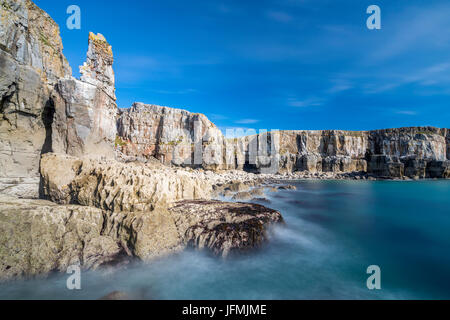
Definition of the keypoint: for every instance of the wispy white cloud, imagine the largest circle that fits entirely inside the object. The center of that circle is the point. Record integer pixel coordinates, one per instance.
(340, 85)
(247, 121)
(309, 102)
(414, 28)
(438, 74)
(217, 117)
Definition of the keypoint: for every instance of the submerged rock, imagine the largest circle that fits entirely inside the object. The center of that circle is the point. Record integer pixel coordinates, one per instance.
(257, 192)
(237, 186)
(287, 187)
(262, 200)
(222, 227)
(242, 196)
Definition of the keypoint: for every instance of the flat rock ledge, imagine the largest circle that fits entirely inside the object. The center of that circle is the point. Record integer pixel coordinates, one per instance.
(38, 237)
(223, 227)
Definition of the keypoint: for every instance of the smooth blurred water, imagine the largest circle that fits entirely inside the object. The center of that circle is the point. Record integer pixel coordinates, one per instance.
(334, 231)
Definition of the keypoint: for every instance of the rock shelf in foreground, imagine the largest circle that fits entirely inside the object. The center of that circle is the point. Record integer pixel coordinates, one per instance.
(38, 237)
(224, 227)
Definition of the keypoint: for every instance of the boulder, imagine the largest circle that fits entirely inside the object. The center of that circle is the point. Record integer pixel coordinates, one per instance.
(224, 228)
(242, 196)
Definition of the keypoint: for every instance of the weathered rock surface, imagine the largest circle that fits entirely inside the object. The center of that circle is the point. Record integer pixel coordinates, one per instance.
(222, 227)
(42, 108)
(59, 133)
(391, 153)
(38, 237)
(170, 135)
(115, 186)
(85, 111)
(31, 61)
(381, 153)
(173, 136)
(242, 196)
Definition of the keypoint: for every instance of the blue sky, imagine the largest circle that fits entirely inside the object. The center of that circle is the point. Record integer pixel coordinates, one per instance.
(278, 64)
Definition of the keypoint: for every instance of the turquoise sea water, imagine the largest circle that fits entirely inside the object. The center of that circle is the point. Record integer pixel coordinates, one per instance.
(334, 231)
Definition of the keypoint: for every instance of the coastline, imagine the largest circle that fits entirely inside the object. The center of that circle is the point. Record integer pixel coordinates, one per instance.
(84, 183)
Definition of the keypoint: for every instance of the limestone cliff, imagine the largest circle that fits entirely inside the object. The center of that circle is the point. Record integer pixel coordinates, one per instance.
(38, 237)
(42, 108)
(85, 110)
(172, 136)
(31, 62)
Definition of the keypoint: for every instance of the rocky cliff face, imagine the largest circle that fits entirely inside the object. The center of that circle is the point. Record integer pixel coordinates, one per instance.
(383, 153)
(417, 152)
(173, 136)
(31, 62)
(38, 237)
(85, 111)
(42, 108)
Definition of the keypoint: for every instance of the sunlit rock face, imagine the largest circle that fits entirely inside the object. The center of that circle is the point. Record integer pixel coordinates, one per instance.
(31, 62)
(85, 110)
(98, 68)
(418, 152)
(38, 237)
(42, 107)
(173, 136)
(412, 152)
(116, 186)
(177, 137)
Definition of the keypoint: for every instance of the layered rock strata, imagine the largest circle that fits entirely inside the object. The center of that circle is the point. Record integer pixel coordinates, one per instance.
(115, 186)
(31, 62)
(42, 107)
(38, 237)
(59, 137)
(85, 110)
(170, 135)
(173, 136)
(105, 210)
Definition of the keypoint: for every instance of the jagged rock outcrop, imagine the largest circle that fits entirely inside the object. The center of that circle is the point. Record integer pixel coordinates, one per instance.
(42, 108)
(222, 227)
(173, 136)
(38, 237)
(115, 186)
(31, 62)
(85, 110)
(98, 70)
